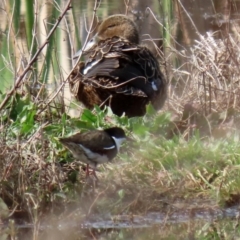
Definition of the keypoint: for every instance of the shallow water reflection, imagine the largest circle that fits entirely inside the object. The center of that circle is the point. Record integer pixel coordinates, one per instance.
(194, 222)
(153, 218)
(188, 18)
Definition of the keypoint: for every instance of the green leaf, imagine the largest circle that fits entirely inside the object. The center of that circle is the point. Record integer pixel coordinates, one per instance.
(121, 193)
(88, 116)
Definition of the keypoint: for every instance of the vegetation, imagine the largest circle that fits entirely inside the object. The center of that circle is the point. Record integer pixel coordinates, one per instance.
(185, 159)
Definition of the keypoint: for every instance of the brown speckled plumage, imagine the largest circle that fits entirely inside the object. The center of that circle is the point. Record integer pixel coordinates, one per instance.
(118, 71)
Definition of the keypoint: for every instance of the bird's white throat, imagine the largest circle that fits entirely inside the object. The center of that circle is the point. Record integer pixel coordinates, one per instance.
(118, 142)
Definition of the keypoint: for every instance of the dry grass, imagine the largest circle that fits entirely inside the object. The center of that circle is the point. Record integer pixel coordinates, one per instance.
(209, 78)
(204, 90)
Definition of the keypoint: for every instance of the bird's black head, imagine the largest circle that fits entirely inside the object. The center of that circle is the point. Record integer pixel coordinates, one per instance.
(115, 132)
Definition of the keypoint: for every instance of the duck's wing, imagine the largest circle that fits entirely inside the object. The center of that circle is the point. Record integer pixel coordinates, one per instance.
(123, 67)
(105, 58)
(118, 66)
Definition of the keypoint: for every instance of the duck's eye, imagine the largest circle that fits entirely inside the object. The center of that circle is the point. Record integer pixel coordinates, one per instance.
(111, 26)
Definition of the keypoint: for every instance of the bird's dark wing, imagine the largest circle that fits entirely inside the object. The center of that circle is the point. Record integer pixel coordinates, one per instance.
(95, 140)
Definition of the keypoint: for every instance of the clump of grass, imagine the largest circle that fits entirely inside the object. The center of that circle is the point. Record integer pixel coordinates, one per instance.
(162, 172)
(204, 93)
(147, 175)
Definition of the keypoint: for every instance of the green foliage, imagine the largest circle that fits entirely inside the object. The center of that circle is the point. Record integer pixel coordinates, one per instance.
(29, 20)
(6, 73)
(52, 55)
(25, 124)
(19, 116)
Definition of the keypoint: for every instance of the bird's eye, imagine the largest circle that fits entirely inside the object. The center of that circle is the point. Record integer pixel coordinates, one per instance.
(111, 26)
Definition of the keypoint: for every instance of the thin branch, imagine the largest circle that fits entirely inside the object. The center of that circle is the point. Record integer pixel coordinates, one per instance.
(127, 6)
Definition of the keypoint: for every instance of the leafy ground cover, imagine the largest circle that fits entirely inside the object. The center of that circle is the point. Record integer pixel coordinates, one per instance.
(158, 172)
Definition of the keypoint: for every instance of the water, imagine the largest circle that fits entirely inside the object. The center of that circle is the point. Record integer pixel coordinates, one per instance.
(153, 218)
(153, 225)
(189, 17)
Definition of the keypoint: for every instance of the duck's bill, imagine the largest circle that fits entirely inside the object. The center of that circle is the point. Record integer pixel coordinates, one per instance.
(88, 46)
(77, 54)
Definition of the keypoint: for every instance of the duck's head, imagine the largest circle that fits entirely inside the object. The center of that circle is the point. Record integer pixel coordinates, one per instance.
(114, 26)
(118, 26)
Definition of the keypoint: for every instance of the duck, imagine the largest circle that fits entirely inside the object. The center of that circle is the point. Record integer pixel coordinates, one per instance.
(96, 146)
(118, 72)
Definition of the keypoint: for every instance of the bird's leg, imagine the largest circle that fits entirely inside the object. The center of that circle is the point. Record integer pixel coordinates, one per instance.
(93, 172)
(87, 171)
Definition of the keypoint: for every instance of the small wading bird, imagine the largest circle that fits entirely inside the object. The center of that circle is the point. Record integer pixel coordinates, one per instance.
(118, 72)
(95, 147)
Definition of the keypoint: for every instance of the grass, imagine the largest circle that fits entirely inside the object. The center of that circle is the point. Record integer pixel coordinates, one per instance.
(184, 158)
(153, 168)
